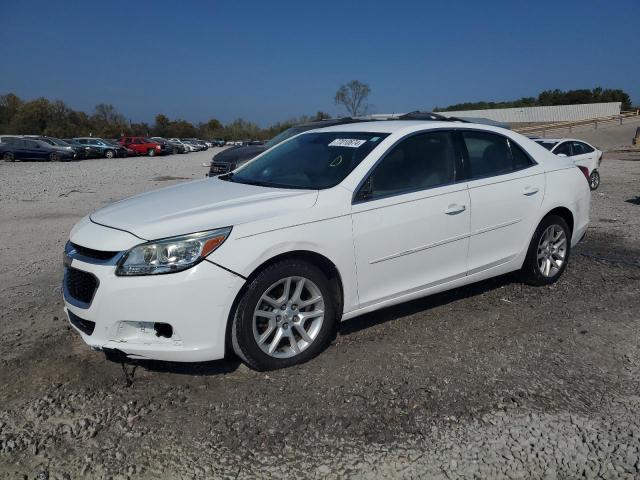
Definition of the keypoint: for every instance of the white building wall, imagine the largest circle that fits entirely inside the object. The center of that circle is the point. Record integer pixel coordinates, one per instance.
(558, 113)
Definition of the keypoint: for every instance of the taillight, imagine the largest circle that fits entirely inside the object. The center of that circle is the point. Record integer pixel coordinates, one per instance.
(584, 170)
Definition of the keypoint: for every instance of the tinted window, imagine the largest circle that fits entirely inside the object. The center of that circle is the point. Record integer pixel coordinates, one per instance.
(418, 162)
(547, 144)
(32, 144)
(489, 154)
(563, 148)
(580, 148)
(520, 159)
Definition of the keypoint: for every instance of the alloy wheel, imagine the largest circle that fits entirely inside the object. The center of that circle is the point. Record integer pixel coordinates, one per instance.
(288, 317)
(552, 251)
(594, 180)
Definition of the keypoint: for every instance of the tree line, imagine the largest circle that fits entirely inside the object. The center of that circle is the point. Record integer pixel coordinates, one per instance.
(53, 118)
(549, 98)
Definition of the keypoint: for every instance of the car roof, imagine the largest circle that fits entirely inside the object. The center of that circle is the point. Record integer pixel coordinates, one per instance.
(558, 140)
(399, 126)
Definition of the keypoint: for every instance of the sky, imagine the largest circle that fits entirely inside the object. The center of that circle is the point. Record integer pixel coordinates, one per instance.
(267, 61)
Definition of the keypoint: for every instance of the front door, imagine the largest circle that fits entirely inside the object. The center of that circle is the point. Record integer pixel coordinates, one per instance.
(411, 219)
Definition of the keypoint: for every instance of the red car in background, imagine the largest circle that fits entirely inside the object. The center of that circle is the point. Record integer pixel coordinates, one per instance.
(142, 146)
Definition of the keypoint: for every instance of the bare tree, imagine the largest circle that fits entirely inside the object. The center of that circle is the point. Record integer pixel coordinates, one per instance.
(353, 96)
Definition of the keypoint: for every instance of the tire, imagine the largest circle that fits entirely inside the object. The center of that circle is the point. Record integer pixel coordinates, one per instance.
(545, 270)
(594, 180)
(8, 157)
(54, 157)
(151, 152)
(109, 154)
(282, 329)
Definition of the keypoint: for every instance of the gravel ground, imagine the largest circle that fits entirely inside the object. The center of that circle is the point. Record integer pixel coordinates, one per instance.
(494, 380)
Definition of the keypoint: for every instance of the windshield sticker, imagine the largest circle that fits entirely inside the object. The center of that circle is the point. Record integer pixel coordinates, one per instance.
(374, 139)
(336, 161)
(347, 142)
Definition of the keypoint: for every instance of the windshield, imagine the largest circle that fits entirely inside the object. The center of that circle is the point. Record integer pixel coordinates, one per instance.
(311, 161)
(547, 144)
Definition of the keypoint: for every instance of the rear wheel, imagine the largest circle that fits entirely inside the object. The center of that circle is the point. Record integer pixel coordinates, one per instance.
(548, 252)
(285, 317)
(54, 157)
(8, 157)
(151, 152)
(594, 180)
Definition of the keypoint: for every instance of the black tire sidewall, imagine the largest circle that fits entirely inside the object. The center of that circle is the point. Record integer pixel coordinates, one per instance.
(8, 157)
(242, 329)
(530, 273)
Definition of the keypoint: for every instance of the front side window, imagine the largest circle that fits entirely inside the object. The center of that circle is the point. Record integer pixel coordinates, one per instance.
(491, 155)
(310, 161)
(564, 149)
(419, 162)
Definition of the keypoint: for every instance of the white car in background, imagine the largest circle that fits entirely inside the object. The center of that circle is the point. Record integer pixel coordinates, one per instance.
(188, 147)
(580, 152)
(325, 226)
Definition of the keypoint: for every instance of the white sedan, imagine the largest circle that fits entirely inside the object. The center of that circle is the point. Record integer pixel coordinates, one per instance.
(582, 154)
(326, 226)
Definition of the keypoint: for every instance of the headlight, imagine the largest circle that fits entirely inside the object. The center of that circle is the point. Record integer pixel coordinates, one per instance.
(172, 254)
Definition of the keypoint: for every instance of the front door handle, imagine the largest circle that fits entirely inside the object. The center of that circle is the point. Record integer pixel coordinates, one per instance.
(454, 209)
(528, 191)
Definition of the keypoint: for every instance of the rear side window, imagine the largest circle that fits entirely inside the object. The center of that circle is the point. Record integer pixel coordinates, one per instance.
(580, 148)
(419, 162)
(491, 155)
(564, 148)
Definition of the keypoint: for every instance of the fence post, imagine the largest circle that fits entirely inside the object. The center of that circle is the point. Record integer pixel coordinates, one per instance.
(596, 122)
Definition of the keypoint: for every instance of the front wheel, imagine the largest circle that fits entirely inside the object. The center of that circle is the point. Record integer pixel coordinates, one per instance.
(548, 252)
(286, 316)
(151, 152)
(109, 154)
(594, 180)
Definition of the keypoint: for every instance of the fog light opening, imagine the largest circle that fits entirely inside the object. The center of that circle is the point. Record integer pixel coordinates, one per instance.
(163, 330)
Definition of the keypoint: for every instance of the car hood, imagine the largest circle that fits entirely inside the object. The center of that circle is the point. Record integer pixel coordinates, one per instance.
(239, 154)
(198, 206)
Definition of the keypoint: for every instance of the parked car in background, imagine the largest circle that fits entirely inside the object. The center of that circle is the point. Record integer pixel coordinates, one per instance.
(187, 147)
(324, 227)
(168, 148)
(143, 146)
(89, 150)
(129, 152)
(582, 154)
(197, 147)
(234, 157)
(12, 149)
(107, 149)
(79, 150)
(197, 141)
(218, 142)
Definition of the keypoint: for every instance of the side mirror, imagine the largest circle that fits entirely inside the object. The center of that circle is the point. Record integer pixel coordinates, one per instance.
(562, 155)
(366, 190)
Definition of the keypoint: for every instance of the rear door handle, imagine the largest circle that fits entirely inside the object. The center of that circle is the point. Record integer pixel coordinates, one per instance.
(528, 191)
(454, 209)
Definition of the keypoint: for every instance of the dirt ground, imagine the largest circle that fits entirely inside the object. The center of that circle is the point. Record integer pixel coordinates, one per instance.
(494, 380)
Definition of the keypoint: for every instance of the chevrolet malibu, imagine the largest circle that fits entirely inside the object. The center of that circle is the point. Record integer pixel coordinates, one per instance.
(328, 225)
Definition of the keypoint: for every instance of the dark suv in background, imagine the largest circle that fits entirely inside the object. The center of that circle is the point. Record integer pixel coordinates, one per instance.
(107, 149)
(233, 157)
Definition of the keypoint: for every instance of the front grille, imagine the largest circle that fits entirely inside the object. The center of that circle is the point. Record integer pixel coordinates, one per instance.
(219, 168)
(101, 255)
(85, 326)
(80, 285)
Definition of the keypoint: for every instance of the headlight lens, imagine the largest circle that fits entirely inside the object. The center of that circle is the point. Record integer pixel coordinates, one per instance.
(172, 254)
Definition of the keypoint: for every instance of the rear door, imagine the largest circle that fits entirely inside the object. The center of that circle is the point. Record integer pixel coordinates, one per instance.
(506, 188)
(411, 219)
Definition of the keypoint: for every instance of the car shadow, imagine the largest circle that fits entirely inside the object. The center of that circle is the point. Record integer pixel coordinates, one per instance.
(421, 304)
(634, 201)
